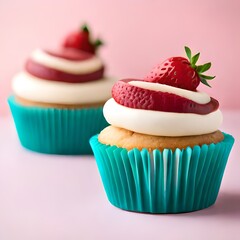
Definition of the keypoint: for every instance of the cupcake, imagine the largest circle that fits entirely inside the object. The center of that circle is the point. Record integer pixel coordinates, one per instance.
(163, 152)
(58, 97)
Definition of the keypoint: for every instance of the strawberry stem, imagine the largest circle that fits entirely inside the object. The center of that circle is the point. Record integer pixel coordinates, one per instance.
(200, 68)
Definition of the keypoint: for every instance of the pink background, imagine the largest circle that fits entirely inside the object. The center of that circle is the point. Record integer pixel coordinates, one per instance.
(138, 35)
(46, 197)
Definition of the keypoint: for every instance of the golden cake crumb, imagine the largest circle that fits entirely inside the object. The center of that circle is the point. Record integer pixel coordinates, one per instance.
(127, 139)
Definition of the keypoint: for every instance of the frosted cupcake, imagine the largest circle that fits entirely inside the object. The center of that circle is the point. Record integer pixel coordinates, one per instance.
(164, 152)
(58, 97)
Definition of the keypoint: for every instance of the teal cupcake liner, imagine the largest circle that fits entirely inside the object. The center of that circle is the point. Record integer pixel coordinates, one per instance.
(56, 131)
(162, 182)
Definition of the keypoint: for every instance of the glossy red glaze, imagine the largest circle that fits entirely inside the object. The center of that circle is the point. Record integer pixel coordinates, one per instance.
(135, 97)
(47, 73)
(176, 72)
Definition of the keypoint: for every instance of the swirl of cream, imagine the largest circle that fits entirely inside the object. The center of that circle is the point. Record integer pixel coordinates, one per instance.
(65, 65)
(38, 90)
(159, 123)
(198, 97)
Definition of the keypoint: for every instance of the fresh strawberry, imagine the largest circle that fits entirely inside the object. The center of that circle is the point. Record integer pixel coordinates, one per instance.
(180, 72)
(81, 40)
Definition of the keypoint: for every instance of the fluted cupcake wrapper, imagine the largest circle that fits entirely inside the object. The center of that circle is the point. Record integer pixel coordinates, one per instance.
(162, 182)
(56, 131)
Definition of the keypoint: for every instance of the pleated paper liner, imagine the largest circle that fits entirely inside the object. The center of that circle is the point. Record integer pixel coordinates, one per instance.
(162, 182)
(56, 131)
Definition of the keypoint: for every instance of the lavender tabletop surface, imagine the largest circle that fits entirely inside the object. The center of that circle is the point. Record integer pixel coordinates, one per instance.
(54, 197)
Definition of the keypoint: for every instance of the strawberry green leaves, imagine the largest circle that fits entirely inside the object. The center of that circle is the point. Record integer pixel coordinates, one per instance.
(203, 68)
(200, 68)
(85, 28)
(97, 43)
(188, 52)
(206, 77)
(204, 81)
(194, 59)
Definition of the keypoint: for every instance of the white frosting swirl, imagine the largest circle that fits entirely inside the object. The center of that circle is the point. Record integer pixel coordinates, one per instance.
(198, 97)
(38, 90)
(74, 67)
(159, 123)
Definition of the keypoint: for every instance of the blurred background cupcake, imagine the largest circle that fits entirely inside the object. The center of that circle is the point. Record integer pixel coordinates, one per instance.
(58, 97)
(164, 152)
